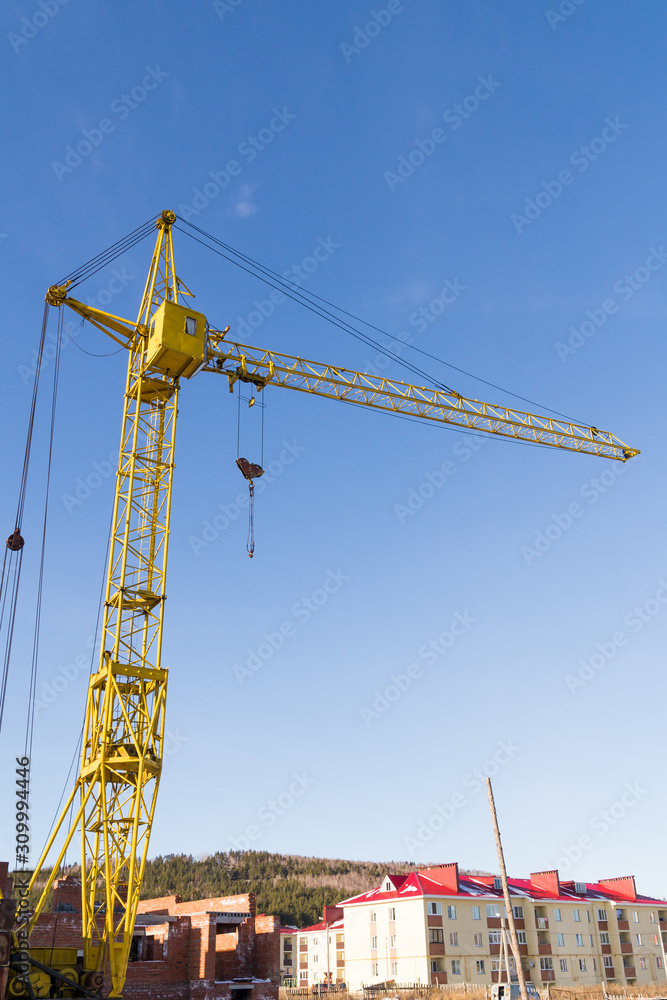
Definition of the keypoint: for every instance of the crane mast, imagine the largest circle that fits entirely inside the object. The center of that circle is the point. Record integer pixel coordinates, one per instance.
(113, 799)
(121, 756)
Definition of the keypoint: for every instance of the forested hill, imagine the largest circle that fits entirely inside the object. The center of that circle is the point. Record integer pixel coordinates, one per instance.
(292, 887)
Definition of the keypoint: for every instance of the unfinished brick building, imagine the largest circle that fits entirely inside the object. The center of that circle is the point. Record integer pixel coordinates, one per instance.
(209, 949)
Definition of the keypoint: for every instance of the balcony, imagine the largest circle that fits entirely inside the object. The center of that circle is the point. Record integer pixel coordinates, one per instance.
(605, 949)
(626, 948)
(603, 925)
(434, 921)
(494, 949)
(548, 975)
(438, 977)
(629, 972)
(544, 949)
(542, 923)
(493, 922)
(436, 948)
(609, 971)
(623, 925)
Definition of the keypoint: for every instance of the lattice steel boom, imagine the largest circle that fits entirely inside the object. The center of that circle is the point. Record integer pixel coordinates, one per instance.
(115, 793)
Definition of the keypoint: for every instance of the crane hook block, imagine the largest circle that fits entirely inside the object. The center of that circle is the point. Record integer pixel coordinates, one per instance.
(249, 469)
(15, 543)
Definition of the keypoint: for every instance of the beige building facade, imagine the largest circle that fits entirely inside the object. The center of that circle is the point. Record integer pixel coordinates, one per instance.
(435, 926)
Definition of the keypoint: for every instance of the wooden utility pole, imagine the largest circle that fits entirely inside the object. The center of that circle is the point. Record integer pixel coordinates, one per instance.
(508, 902)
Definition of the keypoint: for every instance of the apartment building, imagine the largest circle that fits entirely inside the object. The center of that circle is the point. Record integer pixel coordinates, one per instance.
(288, 955)
(435, 926)
(321, 950)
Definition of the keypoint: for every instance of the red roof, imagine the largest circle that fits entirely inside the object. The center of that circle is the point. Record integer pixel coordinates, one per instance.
(335, 925)
(419, 884)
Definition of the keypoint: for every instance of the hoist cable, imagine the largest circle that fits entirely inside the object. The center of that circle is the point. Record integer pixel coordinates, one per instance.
(30, 723)
(11, 572)
(305, 293)
(105, 257)
(301, 299)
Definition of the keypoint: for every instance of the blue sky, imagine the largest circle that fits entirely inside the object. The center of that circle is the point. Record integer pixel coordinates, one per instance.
(538, 200)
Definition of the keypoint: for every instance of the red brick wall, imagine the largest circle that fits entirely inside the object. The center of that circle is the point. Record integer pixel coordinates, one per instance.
(267, 948)
(67, 892)
(164, 904)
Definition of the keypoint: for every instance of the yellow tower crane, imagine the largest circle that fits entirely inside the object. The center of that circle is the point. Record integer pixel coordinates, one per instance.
(113, 799)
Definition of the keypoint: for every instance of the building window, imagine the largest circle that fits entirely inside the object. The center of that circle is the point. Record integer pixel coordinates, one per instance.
(604, 937)
(374, 916)
(655, 939)
(303, 975)
(475, 913)
(494, 937)
(557, 914)
(588, 916)
(518, 912)
(451, 912)
(590, 937)
(579, 939)
(546, 964)
(608, 962)
(595, 968)
(576, 916)
(454, 940)
(495, 965)
(456, 967)
(392, 912)
(434, 909)
(492, 910)
(635, 916)
(602, 914)
(316, 959)
(392, 940)
(658, 962)
(560, 939)
(394, 969)
(651, 917)
(374, 942)
(435, 965)
(480, 966)
(638, 938)
(374, 968)
(563, 965)
(303, 942)
(479, 940)
(582, 965)
(435, 935)
(521, 937)
(314, 941)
